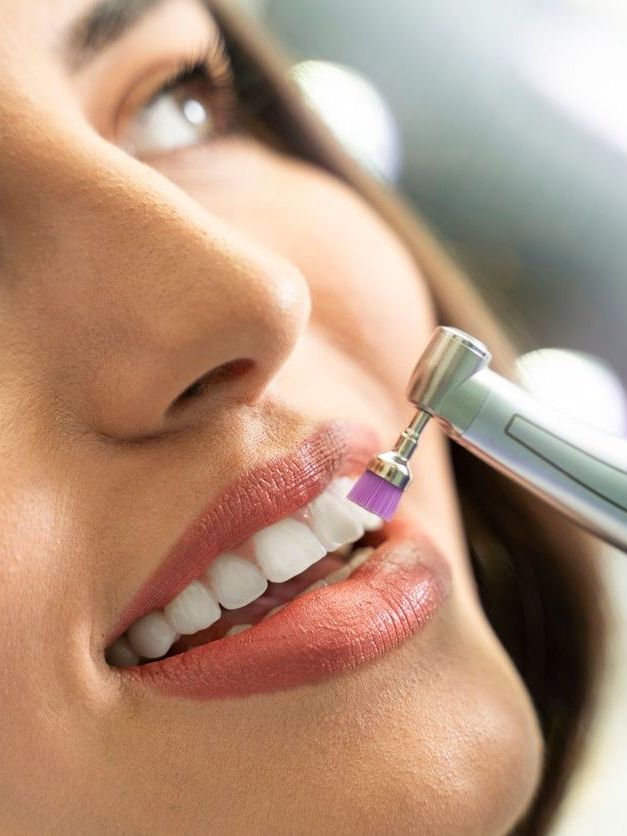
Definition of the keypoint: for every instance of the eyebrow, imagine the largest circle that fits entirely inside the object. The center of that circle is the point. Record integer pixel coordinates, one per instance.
(102, 25)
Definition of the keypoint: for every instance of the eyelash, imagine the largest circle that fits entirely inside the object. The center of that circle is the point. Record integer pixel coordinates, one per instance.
(213, 70)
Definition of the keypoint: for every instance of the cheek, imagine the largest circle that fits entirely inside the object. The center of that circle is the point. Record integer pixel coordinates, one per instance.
(365, 288)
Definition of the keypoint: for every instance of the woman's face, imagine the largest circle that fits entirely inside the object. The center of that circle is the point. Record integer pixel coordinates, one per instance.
(141, 250)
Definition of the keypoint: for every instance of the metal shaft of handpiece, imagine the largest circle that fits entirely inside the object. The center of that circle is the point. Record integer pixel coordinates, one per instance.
(393, 465)
(408, 439)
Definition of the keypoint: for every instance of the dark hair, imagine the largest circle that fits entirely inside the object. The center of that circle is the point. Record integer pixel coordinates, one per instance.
(535, 571)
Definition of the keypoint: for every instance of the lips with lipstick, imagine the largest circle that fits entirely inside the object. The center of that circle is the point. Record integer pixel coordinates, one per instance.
(305, 551)
(283, 581)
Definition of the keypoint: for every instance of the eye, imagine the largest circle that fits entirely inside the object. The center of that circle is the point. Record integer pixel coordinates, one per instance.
(195, 104)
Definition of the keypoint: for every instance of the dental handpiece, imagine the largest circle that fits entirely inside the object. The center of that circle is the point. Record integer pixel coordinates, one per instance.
(580, 470)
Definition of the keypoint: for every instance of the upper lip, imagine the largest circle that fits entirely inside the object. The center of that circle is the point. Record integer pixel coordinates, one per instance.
(257, 499)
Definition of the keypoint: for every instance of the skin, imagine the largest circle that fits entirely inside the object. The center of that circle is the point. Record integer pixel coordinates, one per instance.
(122, 283)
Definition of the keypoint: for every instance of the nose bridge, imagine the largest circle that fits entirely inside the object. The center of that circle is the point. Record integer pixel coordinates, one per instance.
(148, 291)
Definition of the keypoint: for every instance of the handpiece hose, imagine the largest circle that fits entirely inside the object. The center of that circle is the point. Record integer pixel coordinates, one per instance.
(576, 468)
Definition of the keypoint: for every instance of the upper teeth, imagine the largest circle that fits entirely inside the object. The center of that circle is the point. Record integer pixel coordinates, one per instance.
(286, 549)
(281, 551)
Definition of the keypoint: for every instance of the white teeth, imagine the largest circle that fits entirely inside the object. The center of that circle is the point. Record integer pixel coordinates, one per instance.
(238, 628)
(235, 581)
(343, 552)
(272, 611)
(317, 585)
(121, 654)
(151, 636)
(286, 549)
(333, 521)
(360, 557)
(193, 609)
(372, 521)
(339, 574)
(343, 485)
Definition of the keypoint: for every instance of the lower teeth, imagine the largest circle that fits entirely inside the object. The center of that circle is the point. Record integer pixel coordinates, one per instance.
(359, 557)
(238, 628)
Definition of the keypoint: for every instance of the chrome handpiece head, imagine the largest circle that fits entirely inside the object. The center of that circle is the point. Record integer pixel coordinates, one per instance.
(450, 358)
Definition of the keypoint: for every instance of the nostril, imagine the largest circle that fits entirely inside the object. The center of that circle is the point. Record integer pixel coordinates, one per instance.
(221, 374)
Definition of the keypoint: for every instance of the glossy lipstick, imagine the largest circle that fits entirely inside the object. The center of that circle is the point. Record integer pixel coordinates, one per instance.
(324, 633)
(257, 499)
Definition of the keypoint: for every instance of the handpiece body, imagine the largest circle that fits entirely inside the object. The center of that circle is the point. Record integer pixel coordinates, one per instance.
(580, 470)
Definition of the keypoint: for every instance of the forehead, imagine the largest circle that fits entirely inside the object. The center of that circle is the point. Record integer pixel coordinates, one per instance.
(67, 25)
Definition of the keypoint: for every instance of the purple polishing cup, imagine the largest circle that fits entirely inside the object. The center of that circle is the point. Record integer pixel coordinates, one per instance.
(376, 495)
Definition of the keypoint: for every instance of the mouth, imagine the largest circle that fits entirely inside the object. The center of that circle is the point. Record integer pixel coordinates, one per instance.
(321, 544)
(246, 575)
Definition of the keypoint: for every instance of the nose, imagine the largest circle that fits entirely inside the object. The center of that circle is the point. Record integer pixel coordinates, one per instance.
(154, 299)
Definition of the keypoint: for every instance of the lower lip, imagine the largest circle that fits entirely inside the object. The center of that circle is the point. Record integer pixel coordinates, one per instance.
(324, 633)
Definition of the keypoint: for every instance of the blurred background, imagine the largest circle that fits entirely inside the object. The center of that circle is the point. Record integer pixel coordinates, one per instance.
(505, 121)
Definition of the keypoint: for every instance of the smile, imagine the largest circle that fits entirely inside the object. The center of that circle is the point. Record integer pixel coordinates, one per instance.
(281, 582)
(318, 537)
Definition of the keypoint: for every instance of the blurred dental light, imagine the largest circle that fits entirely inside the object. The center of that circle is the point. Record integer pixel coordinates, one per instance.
(354, 111)
(577, 61)
(576, 383)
